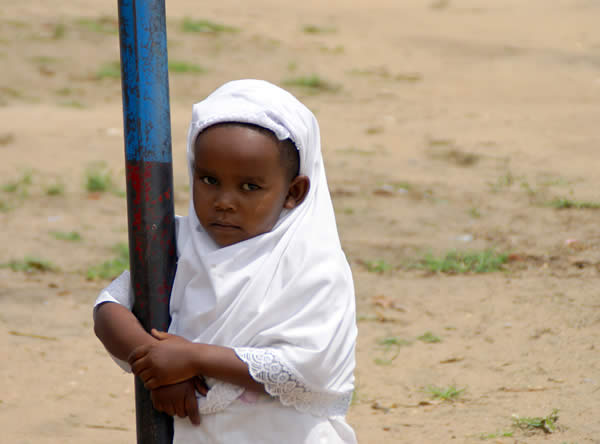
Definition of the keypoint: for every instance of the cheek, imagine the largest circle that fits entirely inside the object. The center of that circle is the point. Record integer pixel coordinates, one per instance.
(200, 202)
(267, 211)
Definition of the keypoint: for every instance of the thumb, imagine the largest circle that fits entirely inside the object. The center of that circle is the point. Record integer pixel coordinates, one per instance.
(159, 334)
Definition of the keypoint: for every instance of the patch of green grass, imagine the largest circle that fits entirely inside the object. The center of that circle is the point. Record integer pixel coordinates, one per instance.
(119, 193)
(103, 25)
(10, 187)
(337, 49)
(13, 93)
(548, 181)
(30, 264)
(205, 26)
(43, 60)
(355, 397)
(463, 262)
(504, 181)
(562, 203)
(450, 393)
(456, 156)
(410, 77)
(384, 73)
(383, 361)
(377, 266)
(72, 236)
(56, 189)
(98, 178)
(429, 338)
(474, 213)
(368, 318)
(112, 268)
(177, 66)
(393, 344)
(19, 186)
(59, 31)
(316, 29)
(64, 91)
(110, 70)
(501, 434)
(313, 83)
(400, 185)
(390, 341)
(18, 23)
(72, 104)
(545, 423)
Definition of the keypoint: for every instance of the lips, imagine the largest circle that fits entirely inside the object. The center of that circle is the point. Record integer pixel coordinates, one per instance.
(225, 226)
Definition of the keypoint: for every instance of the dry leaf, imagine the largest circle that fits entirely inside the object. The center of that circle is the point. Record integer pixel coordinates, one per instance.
(452, 360)
(383, 301)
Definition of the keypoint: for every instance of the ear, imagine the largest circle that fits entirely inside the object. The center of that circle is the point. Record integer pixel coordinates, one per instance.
(297, 192)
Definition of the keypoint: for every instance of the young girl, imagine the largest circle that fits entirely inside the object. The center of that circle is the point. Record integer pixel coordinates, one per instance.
(262, 335)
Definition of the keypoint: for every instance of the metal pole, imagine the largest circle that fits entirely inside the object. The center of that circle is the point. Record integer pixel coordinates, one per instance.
(151, 220)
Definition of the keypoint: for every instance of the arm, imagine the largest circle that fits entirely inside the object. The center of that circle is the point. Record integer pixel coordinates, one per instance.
(119, 330)
(173, 359)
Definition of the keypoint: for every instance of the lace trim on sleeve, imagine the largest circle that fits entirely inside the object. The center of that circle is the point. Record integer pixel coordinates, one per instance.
(279, 380)
(220, 395)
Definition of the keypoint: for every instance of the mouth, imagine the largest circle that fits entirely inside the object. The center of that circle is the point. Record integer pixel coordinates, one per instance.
(224, 226)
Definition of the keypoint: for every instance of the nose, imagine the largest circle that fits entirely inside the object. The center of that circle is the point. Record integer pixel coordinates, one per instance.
(224, 201)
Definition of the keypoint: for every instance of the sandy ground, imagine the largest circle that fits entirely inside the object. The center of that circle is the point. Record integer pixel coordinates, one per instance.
(449, 125)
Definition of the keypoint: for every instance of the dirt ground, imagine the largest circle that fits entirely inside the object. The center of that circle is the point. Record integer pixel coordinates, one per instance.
(446, 125)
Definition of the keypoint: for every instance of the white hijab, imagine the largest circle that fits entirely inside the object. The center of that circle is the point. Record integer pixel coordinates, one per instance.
(290, 290)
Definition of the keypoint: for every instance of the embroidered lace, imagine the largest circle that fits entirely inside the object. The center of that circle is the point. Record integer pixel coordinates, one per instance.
(220, 395)
(279, 380)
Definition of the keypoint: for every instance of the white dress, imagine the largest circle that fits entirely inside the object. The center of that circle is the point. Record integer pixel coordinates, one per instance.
(283, 300)
(250, 418)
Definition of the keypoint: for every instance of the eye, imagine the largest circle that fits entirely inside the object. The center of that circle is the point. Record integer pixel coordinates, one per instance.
(208, 180)
(250, 187)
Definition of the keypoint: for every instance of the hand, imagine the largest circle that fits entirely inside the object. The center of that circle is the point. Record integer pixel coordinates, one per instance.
(180, 399)
(165, 362)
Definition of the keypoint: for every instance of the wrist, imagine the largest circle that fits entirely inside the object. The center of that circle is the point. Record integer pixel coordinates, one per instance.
(199, 353)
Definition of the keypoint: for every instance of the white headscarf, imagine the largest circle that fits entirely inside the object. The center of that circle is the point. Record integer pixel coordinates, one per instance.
(284, 300)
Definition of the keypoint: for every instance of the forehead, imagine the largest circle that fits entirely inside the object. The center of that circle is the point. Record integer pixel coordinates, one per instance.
(237, 144)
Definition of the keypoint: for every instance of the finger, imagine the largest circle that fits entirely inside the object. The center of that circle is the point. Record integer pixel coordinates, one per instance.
(200, 385)
(180, 409)
(169, 410)
(152, 384)
(155, 402)
(158, 405)
(145, 375)
(159, 334)
(138, 366)
(137, 353)
(191, 408)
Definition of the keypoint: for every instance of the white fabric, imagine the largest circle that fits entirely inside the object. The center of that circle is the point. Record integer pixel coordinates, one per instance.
(264, 420)
(283, 300)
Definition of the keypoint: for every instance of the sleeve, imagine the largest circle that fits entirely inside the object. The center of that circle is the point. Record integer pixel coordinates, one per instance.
(269, 368)
(119, 292)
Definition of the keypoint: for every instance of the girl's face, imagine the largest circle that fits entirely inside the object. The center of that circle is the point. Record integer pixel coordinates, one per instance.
(240, 184)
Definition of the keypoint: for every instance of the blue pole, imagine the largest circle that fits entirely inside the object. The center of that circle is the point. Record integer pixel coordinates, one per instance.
(151, 220)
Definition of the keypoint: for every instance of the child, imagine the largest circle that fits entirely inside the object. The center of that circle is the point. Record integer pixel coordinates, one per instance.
(262, 335)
